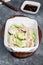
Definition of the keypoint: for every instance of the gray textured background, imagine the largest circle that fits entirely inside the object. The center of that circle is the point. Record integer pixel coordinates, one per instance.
(5, 57)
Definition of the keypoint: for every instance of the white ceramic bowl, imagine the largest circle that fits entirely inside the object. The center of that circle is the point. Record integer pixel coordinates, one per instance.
(27, 22)
(31, 3)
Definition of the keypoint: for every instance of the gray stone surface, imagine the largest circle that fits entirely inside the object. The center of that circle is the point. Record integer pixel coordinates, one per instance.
(5, 57)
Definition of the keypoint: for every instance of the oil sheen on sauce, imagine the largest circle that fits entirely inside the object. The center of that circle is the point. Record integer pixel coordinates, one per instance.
(29, 7)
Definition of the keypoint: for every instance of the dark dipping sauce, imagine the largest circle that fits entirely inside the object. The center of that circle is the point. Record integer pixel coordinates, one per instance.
(30, 7)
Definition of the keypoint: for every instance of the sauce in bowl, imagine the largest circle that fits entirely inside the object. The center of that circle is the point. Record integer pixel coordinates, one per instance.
(29, 7)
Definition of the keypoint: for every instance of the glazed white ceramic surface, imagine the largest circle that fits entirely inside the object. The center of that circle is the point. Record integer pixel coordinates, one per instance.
(6, 0)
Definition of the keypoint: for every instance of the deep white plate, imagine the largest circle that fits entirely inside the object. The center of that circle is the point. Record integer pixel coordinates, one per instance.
(27, 22)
